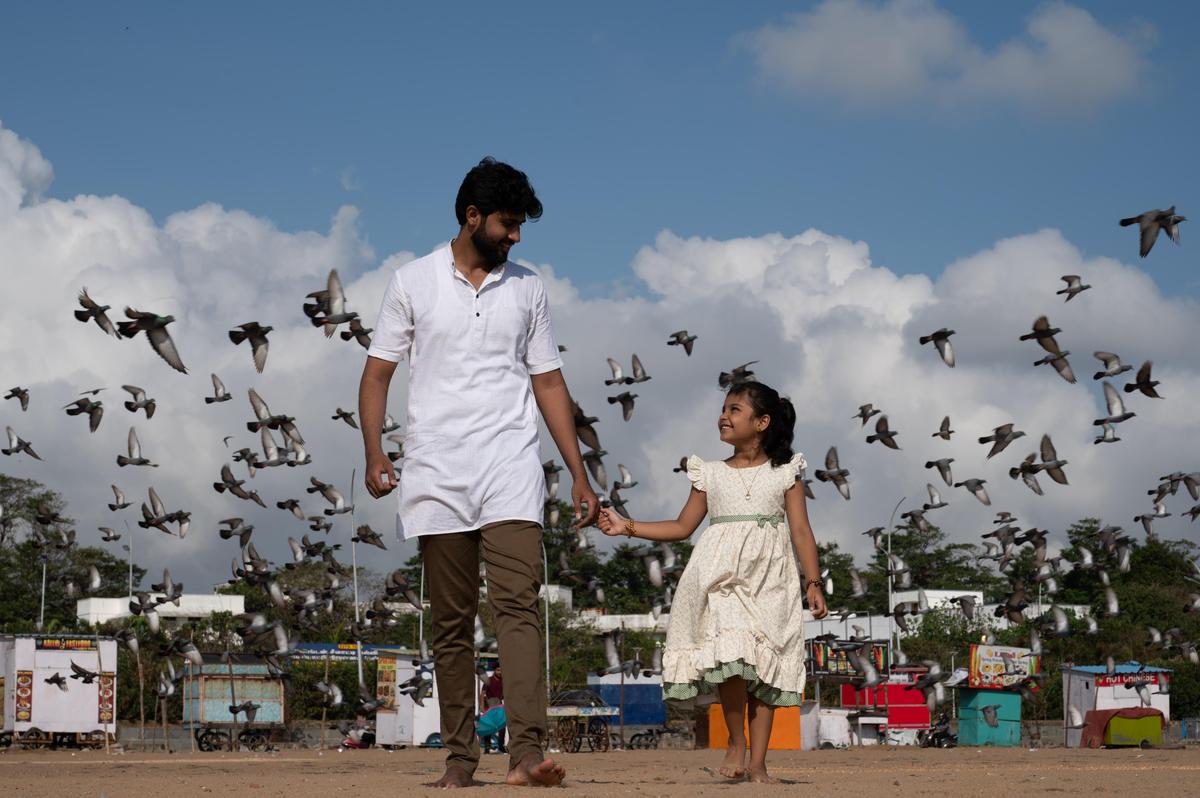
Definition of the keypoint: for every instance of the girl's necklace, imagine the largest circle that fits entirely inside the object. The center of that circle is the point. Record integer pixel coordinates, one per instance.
(738, 471)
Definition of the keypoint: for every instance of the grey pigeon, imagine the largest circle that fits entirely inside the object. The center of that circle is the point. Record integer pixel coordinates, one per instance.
(329, 308)
(219, 392)
(626, 399)
(943, 467)
(833, 472)
(1051, 464)
(1143, 382)
(257, 335)
(1000, 438)
(94, 310)
(346, 416)
(155, 327)
(865, 412)
(884, 434)
(21, 395)
(139, 401)
(740, 373)
(361, 334)
(1059, 361)
(682, 338)
(94, 410)
(976, 488)
(1151, 222)
(1074, 286)
(16, 444)
(944, 432)
(1112, 365)
(583, 427)
(941, 340)
(135, 452)
(1116, 407)
(1044, 334)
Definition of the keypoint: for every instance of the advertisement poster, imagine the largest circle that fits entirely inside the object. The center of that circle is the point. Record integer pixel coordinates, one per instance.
(1000, 667)
(827, 659)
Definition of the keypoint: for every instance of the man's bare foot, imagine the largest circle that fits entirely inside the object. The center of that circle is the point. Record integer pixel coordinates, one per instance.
(734, 764)
(453, 777)
(759, 775)
(535, 770)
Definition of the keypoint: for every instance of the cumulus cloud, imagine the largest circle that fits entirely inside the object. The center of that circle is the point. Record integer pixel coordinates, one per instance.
(828, 326)
(865, 54)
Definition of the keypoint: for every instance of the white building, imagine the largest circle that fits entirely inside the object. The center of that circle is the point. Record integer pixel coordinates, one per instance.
(192, 606)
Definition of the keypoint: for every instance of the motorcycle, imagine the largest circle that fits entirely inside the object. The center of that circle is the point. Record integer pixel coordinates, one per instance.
(937, 735)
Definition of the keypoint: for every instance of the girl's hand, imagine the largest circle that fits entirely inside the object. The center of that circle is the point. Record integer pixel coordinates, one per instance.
(610, 522)
(816, 602)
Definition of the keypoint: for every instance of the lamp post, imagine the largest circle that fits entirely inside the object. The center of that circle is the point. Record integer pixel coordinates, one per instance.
(546, 615)
(354, 573)
(891, 617)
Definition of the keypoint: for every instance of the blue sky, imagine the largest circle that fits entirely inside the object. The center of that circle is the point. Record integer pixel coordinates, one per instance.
(629, 118)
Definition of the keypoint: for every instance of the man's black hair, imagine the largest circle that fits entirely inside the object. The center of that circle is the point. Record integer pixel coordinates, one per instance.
(495, 186)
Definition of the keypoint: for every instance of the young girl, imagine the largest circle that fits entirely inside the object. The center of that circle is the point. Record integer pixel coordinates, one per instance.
(736, 620)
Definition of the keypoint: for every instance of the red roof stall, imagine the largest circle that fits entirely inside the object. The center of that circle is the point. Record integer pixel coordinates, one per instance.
(893, 705)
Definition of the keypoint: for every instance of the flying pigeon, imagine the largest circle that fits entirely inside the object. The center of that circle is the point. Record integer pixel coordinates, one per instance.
(1151, 222)
(155, 327)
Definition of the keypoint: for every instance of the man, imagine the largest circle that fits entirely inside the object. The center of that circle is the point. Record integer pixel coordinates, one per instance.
(475, 329)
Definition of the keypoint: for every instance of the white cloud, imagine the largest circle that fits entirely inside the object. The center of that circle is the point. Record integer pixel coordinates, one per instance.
(866, 54)
(829, 327)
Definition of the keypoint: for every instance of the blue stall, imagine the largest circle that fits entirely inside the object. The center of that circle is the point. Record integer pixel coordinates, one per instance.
(643, 697)
(973, 727)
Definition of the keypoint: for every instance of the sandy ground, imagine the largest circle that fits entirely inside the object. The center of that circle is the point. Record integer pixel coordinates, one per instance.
(870, 771)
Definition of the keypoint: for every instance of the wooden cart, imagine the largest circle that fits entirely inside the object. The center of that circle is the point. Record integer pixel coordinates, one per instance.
(573, 726)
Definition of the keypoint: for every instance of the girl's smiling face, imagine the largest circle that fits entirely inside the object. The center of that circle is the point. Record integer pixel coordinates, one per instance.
(737, 423)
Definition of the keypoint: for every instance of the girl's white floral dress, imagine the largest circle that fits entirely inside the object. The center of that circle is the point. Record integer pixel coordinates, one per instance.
(738, 608)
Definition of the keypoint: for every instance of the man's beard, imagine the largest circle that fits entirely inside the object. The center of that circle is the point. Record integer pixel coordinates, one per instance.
(490, 250)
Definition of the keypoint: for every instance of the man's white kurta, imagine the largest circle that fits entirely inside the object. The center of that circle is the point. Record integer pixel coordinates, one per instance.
(471, 450)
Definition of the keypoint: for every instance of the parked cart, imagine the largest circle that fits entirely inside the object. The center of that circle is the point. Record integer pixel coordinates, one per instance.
(575, 725)
(213, 688)
(57, 690)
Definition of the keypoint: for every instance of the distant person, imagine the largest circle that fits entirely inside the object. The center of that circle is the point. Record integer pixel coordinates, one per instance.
(482, 361)
(491, 695)
(735, 621)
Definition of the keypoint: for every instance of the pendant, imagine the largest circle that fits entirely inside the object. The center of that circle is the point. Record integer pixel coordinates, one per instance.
(747, 494)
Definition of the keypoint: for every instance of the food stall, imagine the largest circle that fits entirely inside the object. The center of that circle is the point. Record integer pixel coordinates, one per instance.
(57, 690)
(989, 706)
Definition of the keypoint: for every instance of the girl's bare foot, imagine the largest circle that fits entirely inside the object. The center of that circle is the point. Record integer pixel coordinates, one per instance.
(758, 774)
(734, 764)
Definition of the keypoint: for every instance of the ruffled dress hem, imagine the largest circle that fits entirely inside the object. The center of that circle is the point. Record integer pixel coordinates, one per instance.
(711, 678)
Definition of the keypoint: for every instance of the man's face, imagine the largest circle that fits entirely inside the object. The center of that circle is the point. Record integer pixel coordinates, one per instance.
(496, 234)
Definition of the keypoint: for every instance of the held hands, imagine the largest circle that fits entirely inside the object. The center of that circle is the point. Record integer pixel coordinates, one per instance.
(380, 477)
(611, 522)
(816, 602)
(581, 492)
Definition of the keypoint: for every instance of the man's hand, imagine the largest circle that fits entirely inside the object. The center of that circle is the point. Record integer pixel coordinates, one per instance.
(381, 477)
(581, 492)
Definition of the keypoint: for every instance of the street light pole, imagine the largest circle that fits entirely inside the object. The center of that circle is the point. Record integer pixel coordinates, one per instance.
(42, 613)
(354, 573)
(891, 616)
(129, 531)
(546, 618)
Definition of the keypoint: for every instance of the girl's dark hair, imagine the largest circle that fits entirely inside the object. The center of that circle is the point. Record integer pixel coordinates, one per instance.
(495, 186)
(766, 401)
